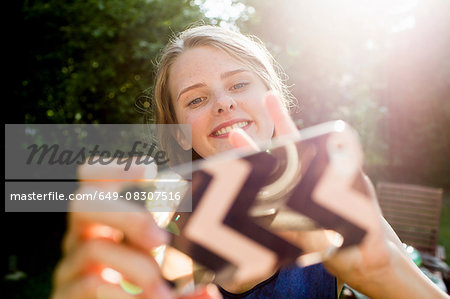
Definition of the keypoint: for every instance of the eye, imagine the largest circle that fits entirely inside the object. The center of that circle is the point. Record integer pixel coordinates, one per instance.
(239, 85)
(196, 101)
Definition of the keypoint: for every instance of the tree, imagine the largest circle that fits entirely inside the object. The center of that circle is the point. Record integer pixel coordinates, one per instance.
(77, 62)
(381, 67)
(86, 61)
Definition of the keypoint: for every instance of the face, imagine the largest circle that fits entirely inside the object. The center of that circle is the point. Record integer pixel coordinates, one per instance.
(214, 93)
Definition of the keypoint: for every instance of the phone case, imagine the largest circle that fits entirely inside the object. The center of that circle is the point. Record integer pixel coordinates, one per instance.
(299, 201)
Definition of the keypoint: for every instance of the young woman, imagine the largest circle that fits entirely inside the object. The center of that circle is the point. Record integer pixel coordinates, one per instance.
(227, 87)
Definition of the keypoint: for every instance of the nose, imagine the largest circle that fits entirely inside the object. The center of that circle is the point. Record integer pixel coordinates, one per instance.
(224, 103)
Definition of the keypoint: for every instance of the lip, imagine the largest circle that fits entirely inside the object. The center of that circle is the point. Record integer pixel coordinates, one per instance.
(227, 124)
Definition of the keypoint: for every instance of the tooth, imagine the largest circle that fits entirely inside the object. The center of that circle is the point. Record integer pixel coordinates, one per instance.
(229, 128)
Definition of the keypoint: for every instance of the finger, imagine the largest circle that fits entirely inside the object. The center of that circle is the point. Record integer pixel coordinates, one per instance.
(110, 291)
(138, 268)
(280, 116)
(85, 287)
(114, 176)
(208, 292)
(91, 286)
(87, 231)
(139, 228)
(240, 139)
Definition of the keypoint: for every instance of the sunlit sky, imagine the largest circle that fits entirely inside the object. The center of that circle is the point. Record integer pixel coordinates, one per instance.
(228, 11)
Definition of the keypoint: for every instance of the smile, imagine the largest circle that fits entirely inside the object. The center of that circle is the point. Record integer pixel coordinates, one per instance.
(227, 129)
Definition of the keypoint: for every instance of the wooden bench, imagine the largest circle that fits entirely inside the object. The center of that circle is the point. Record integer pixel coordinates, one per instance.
(413, 212)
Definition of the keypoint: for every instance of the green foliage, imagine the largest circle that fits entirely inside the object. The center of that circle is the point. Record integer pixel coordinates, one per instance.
(86, 61)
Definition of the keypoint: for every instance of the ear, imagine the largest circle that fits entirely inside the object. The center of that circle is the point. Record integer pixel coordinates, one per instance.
(183, 141)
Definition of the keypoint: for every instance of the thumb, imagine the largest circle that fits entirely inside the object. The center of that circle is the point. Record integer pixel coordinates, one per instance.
(240, 139)
(114, 176)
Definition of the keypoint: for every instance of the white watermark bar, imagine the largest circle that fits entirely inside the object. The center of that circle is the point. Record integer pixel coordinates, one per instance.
(61, 167)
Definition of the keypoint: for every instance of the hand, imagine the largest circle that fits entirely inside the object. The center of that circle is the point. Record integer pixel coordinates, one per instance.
(99, 246)
(378, 267)
(283, 124)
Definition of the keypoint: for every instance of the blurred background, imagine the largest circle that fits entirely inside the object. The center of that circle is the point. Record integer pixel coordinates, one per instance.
(383, 66)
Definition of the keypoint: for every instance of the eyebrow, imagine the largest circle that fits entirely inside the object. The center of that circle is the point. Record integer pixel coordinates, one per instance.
(198, 85)
(222, 76)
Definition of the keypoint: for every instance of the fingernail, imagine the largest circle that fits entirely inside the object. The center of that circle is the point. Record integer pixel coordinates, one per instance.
(163, 291)
(158, 236)
(213, 291)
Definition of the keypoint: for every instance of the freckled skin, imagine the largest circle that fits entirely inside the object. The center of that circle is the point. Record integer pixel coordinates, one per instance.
(216, 99)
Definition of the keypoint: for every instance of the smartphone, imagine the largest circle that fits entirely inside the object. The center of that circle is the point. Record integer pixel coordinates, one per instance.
(299, 200)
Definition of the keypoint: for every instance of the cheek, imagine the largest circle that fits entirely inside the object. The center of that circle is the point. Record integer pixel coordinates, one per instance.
(199, 123)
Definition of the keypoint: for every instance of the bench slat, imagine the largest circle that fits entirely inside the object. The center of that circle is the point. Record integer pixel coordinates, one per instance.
(413, 212)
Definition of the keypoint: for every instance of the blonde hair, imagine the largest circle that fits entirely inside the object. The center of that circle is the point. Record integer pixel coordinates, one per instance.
(248, 50)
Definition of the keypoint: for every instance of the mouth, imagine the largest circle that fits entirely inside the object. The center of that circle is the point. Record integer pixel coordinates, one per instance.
(223, 130)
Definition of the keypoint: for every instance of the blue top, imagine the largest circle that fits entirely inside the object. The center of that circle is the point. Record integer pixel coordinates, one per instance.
(293, 282)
